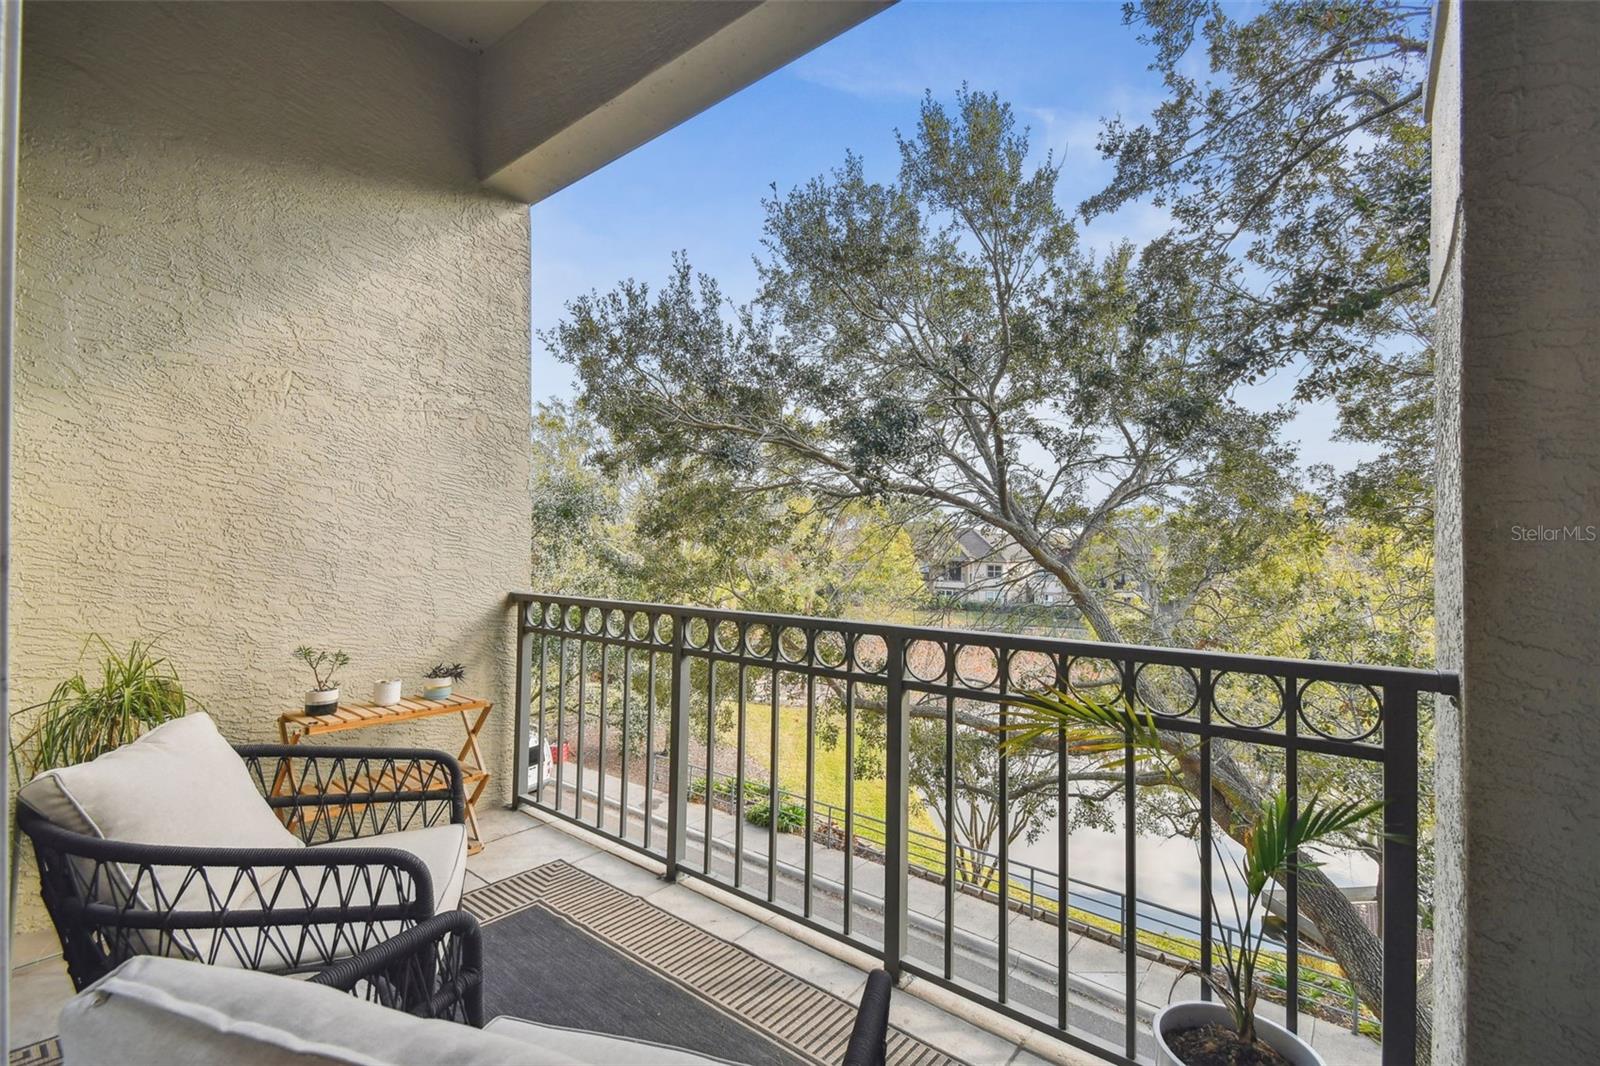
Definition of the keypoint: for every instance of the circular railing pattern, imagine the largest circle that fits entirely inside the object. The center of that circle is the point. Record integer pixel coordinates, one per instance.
(987, 667)
(1325, 706)
(1234, 696)
(1166, 690)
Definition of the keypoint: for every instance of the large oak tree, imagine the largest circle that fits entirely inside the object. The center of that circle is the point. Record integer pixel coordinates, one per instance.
(940, 339)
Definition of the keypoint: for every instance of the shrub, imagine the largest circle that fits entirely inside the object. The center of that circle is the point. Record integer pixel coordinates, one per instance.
(791, 816)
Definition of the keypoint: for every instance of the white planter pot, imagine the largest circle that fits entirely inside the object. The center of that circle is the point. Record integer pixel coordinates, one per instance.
(435, 689)
(386, 693)
(1191, 1014)
(322, 701)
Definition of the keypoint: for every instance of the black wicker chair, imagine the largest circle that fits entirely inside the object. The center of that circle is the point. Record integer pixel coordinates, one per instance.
(286, 910)
(432, 970)
(869, 1038)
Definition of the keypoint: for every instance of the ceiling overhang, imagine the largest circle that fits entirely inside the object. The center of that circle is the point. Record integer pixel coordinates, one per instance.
(566, 86)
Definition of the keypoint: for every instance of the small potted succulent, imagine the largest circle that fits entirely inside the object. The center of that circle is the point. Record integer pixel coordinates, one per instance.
(438, 683)
(323, 698)
(386, 693)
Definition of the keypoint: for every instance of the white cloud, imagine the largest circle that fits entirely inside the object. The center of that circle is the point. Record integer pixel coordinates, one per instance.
(847, 76)
(1138, 222)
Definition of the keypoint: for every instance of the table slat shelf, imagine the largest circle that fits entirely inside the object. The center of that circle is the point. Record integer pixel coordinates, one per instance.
(295, 726)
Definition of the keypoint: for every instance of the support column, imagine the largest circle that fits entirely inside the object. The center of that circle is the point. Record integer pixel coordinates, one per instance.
(1515, 109)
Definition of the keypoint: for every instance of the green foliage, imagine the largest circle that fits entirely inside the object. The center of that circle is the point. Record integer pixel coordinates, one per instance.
(726, 788)
(681, 533)
(757, 800)
(83, 719)
(791, 816)
(936, 344)
(1102, 729)
(322, 664)
(577, 506)
(447, 671)
(1302, 163)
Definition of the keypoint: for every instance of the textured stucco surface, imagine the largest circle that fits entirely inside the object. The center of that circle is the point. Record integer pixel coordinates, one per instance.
(1448, 994)
(1518, 950)
(272, 366)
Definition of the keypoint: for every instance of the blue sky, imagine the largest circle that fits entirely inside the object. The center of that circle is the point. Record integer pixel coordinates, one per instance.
(698, 188)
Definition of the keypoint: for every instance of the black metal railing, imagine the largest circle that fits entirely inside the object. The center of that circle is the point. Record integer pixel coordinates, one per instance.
(605, 686)
(1171, 933)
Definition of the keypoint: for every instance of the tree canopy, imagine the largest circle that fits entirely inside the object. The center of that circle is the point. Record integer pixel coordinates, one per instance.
(1302, 161)
(939, 344)
(940, 341)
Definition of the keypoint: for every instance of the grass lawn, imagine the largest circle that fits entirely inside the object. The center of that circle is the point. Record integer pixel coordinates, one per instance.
(830, 765)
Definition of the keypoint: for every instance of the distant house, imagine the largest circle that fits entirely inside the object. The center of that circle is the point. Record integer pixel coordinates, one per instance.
(985, 567)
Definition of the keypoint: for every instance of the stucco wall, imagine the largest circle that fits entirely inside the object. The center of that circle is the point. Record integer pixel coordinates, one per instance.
(272, 369)
(1518, 946)
(1448, 994)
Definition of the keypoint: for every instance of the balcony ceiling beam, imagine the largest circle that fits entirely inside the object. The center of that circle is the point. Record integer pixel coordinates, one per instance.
(575, 85)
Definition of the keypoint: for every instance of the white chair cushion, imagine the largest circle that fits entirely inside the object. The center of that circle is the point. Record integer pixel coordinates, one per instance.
(580, 1045)
(180, 783)
(442, 847)
(165, 1010)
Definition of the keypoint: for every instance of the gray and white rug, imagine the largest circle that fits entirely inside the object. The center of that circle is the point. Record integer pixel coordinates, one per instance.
(563, 947)
(43, 1053)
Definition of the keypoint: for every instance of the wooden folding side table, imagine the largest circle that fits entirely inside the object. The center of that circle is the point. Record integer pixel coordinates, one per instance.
(295, 726)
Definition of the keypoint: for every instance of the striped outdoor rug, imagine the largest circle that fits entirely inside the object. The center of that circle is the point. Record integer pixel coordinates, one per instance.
(44, 1053)
(797, 1015)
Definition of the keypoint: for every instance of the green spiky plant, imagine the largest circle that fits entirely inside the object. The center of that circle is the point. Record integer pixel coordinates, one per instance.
(447, 672)
(83, 719)
(1274, 847)
(1274, 844)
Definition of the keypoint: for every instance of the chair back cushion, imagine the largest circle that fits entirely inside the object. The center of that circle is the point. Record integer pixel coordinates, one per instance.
(180, 783)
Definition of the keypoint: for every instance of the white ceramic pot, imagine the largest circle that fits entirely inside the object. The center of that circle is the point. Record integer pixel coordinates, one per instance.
(436, 689)
(386, 693)
(1191, 1014)
(322, 701)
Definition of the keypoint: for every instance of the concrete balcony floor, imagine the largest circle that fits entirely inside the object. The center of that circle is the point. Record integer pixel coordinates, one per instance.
(520, 840)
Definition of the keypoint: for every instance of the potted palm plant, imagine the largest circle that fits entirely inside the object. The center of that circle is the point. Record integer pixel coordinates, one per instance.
(323, 697)
(439, 682)
(1199, 1032)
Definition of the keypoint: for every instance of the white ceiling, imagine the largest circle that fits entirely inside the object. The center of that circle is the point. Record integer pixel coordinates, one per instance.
(474, 24)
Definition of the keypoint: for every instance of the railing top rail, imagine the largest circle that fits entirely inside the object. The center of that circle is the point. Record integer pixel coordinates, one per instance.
(1438, 681)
